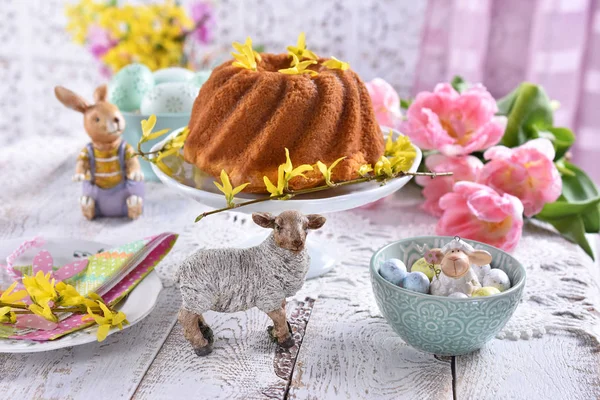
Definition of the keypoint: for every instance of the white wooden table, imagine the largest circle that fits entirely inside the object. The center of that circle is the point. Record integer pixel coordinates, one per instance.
(343, 350)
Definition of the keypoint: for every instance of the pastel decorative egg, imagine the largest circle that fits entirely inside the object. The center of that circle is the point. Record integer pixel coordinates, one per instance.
(496, 278)
(421, 265)
(128, 86)
(169, 98)
(173, 74)
(393, 271)
(481, 271)
(485, 291)
(200, 77)
(458, 295)
(417, 282)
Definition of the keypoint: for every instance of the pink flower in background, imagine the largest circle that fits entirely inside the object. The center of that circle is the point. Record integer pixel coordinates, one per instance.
(454, 123)
(386, 103)
(98, 41)
(475, 211)
(466, 168)
(203, 16)
(526, 172)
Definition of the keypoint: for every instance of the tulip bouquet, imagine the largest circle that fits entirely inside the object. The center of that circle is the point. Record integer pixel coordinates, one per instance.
(508, 159)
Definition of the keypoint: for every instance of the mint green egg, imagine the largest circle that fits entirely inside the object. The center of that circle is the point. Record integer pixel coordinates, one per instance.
(173, 74)
(170, 98)
(200, 77)
(128, 86)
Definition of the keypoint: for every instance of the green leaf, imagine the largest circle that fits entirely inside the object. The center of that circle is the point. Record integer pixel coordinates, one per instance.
(563, 208)
(405, 103)
(573, 229)
(580, 188)
(562, 139)
(459, 84)
(505, 104)
(529, 113)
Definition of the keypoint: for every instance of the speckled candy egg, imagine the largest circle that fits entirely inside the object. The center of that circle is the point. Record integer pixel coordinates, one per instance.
(421, 265)
(496, 278)
(200, 77)
(417, 282)
(393, 271)
(458, 295)
(481, 270)
(169, 98)
(485, 291)
(127, 88)
(173, 74)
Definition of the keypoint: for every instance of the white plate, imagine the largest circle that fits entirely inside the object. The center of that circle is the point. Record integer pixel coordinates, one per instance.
(137, 305)
(337, 199)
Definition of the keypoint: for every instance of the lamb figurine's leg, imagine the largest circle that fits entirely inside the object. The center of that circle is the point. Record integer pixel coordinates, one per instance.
(196, 331)
(281, 330)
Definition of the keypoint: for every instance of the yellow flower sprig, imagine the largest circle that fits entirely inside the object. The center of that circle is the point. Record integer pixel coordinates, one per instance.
(334, 63)
(227, 189)
(300, 50)
(285, 173)
(326, 171)
(246, 56)
(147, 127)
(8, 296)
(40, 288)
(108, 320)
(299, 67)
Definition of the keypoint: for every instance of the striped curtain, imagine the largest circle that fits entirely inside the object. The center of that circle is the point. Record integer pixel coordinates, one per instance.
(554, 43)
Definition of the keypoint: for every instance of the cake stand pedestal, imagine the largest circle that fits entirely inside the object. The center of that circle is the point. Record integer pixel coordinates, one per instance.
(323, 256)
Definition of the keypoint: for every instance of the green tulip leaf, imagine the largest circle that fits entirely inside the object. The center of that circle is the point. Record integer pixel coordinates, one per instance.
(573, 229)
(459, 84)
(405, 103)
(563, 208)
(562, 139)
(580, 188)
(528, 112)
(506, 103)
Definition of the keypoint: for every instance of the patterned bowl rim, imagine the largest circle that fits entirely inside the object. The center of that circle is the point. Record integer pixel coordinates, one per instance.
(513, 289)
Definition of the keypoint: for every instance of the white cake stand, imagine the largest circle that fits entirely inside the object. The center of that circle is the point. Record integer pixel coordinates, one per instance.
(323, 256)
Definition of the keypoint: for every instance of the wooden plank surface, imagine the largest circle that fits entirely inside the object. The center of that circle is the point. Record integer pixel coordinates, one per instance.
(245, 363)
(348, 355)
(108, 370)
(560, 365)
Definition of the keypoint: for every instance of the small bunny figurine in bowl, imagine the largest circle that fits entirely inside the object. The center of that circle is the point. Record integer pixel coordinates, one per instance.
(112, 179)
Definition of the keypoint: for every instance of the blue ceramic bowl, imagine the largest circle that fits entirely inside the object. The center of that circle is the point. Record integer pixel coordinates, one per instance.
(133, 133)
(442, 325)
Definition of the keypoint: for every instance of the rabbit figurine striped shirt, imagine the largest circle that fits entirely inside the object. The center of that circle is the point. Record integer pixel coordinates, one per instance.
(108, 169)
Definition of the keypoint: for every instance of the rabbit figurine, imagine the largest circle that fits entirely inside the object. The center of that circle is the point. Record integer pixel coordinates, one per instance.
(112, 178)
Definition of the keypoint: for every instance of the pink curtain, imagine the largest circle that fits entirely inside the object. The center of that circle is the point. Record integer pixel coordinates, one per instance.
(554, 43)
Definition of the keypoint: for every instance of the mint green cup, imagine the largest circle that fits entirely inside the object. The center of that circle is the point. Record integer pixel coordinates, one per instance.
(442, 325)
(133, 133)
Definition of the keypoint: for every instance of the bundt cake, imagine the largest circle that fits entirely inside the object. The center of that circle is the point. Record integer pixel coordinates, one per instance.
(244, 118)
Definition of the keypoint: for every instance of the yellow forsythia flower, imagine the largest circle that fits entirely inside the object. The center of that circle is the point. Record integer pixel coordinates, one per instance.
(299, 67)
(334, 63)
(226, 188)
(365, 169)
(9, 297)
(271, 188)
(327, 171)
(300, 50)
(43, 311)
(108, 320)
(147, 126)
(285, 173)
(68, 296)
(400, 147)
(40, 288)
(246, 56)
(7, 316)
(383, 167)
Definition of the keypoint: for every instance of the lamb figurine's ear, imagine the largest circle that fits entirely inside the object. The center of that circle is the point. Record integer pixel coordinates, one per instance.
(71, 99)
(480, 257)
(315, 221)
(264, 219)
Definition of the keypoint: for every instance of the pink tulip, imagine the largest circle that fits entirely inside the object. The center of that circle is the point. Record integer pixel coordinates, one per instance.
(475, 211)
(466, 168)
(386, 103)
(454, 123)
(526, 172)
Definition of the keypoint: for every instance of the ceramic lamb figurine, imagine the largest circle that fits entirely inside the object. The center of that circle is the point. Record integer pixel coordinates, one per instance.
(456, 273)
(230, 280)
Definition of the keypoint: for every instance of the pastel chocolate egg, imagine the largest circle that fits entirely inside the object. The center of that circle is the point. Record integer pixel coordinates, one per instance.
(128, 86)
(200, 77)
(421, 265)
(485, 291)
(173, 74)
(393, 271)
(458, 295)
(496, 278)
(417, 282)
(169, 98)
